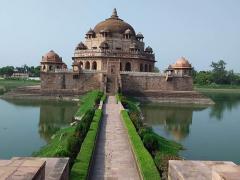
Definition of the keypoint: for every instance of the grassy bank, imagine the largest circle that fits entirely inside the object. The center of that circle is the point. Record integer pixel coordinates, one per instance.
(145, 162)
(217, 88)
(81, 167)
(68, 141)
(8, 84)
(160, 149)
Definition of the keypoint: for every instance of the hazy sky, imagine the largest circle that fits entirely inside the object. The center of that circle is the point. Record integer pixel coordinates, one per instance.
(201, 30)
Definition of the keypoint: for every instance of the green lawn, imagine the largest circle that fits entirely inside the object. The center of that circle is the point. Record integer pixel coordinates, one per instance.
(216, 88)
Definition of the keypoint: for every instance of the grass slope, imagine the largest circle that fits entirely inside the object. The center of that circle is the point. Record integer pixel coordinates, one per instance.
(57, 144)
(87, 102)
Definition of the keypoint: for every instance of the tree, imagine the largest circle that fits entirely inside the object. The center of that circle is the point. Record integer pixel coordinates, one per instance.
(156, 69)
(218, 66)
(7, 70)
(203, 78)
(219, 73)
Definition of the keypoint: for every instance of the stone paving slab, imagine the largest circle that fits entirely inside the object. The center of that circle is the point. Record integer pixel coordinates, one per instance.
(28, 168)
(113, 157)
(22, 169)
(203, 170)
(55, 168)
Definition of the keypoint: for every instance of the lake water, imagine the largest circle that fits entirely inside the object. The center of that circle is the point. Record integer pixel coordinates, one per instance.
(207, 133)
(27, 125)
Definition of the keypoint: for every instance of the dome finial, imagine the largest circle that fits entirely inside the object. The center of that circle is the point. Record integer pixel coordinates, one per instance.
(114, 14)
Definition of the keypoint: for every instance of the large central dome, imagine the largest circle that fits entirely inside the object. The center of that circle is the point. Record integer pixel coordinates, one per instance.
(114, 25)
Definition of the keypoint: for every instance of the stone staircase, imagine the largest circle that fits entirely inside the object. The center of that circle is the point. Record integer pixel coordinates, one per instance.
(111, 86)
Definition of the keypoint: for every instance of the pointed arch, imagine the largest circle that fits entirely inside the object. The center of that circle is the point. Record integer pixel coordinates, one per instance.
(87, 65)
(128, 66)
(94, 65)
(141, 68)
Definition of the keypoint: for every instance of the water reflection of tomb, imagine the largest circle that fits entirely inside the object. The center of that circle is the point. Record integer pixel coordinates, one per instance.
(175, 120)
(52, 118)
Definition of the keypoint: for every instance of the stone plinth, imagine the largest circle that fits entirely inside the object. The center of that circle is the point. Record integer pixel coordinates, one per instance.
(22, 169)
(203, 170)
(26, 168)
(57, 168)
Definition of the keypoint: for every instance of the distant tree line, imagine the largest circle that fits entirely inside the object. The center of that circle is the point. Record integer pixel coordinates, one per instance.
(217, 75)
(31, 70)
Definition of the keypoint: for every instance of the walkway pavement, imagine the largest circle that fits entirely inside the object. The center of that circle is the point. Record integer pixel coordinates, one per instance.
(114, 159)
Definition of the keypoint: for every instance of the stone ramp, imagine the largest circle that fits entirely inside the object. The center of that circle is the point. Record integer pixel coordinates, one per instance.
(113, 155)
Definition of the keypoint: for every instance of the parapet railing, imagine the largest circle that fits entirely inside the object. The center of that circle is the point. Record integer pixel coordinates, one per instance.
(63, 70)
(135, 73)
(142, 73)
(111, 53)
(132, 73)
(92, 71)
(81, 71)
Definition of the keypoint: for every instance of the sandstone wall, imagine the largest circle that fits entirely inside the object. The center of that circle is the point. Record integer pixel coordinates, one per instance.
(71, 83)
(141, 82)
(130, 82)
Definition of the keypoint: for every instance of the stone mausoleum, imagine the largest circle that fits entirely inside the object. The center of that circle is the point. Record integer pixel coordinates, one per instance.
(112, 58)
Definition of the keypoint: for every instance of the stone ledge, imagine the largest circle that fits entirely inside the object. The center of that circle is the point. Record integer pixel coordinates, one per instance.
(22, 169)
(203, 170)
(26, 168)
(176, 97)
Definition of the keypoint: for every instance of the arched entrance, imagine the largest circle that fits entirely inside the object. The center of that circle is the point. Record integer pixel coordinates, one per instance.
(128, 66)
(146, 68)
(94, 65)
(81, 64)
(87, 65)
(150, 68)
(141, 67)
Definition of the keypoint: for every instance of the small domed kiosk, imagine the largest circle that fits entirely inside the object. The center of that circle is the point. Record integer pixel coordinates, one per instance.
(51, 62)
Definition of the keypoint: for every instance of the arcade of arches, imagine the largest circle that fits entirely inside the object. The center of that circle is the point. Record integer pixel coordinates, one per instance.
(124, 66)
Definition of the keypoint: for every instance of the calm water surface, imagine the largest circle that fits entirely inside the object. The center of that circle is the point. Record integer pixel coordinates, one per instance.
(207, 133)
(26, 125)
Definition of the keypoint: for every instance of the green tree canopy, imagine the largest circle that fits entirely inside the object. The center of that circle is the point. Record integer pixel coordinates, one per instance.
(217, 75)
(8, 70)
